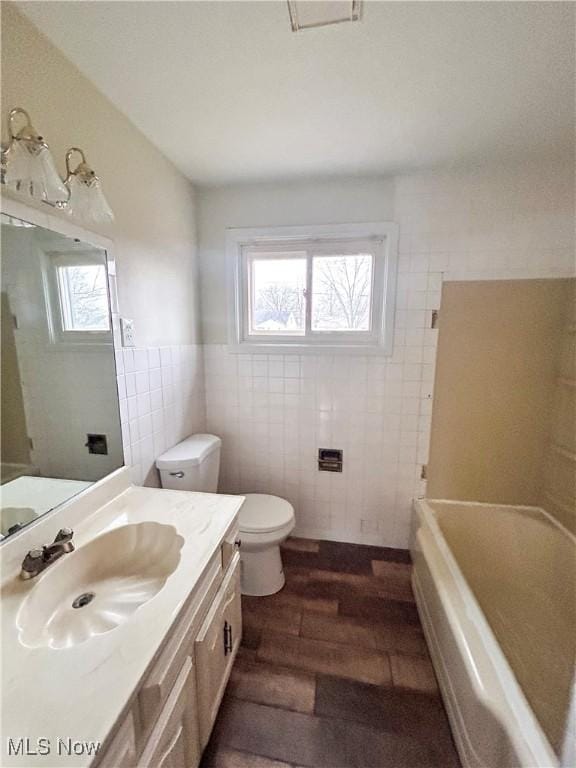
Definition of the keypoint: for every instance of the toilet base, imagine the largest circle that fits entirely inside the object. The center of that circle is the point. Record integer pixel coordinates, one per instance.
(261, 572)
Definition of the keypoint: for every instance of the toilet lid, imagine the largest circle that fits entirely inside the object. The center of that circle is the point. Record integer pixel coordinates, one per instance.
(189, 453)
(262, 513)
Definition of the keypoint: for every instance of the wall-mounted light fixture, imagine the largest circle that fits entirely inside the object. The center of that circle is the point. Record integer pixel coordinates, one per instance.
(28, 168)
(306, 14)
(28, 163)
(86, 201)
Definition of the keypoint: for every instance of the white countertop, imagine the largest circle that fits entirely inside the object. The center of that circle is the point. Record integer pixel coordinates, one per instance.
(29, 496)
(79, 692)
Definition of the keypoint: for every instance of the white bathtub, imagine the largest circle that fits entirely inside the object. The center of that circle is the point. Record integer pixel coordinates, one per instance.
(496, 591)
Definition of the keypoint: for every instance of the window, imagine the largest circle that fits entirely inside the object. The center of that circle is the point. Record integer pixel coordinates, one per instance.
(342, 292)
(299, 288)
(77, 296)
(277, 305)
(83, 297)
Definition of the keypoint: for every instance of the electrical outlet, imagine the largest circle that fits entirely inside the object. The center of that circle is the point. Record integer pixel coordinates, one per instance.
(127, 329)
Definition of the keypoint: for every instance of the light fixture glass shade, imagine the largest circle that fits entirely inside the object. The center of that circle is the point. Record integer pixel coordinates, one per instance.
(30, 169)
(87, 201)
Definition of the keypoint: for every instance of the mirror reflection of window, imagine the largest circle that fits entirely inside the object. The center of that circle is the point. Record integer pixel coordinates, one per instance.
(76, 295)
(83, 297)
(58, 372)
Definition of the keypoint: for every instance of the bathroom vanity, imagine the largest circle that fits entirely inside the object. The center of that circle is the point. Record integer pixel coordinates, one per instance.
(140, 665)
(115, 654)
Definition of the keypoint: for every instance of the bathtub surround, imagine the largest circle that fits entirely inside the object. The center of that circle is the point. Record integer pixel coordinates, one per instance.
(496, 372)
(559, 493)
(274, 412)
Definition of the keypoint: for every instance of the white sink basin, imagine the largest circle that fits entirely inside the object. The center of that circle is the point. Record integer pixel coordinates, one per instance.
(99, 586)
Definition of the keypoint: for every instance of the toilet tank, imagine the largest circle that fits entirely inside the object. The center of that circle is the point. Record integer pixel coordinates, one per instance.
(192, 465)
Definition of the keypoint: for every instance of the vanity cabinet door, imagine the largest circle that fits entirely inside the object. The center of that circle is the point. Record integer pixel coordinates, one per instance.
(174, 742)
(230, 545)
(216, 647)
(122, 751)
(156, 689)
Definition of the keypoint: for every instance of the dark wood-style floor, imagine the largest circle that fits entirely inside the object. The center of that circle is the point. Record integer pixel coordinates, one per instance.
(333, 671)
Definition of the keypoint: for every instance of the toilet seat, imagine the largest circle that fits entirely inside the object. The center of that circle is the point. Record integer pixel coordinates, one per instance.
(263, 513)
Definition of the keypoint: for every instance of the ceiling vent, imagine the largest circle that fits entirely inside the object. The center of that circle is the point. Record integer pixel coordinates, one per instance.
(306, 14)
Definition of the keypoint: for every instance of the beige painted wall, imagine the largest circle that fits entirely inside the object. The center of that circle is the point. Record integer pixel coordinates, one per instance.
(154, 230)
(498, 351)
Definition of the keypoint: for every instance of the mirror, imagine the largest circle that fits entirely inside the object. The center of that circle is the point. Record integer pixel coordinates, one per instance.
(60, 416)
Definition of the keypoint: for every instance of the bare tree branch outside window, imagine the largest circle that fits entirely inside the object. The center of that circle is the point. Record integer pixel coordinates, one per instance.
(341, 292)
(279, 296)
(87, 297)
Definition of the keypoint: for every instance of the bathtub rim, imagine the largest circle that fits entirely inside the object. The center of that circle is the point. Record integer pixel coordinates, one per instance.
(489, 672)
(516, 507)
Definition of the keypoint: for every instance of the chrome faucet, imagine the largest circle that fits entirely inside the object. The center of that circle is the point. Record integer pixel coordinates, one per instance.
(41, 557)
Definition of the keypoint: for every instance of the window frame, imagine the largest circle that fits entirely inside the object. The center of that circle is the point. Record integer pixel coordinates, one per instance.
(380, 239)
(58, 333)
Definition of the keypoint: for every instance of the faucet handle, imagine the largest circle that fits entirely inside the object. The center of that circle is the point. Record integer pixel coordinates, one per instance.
(32, 563)
(39, 558)
(64, 534)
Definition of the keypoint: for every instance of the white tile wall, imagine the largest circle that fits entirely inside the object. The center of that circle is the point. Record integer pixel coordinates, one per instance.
(274, 412)
(162, 401)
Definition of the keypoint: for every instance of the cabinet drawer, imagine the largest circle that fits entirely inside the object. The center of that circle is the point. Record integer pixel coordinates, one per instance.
(174, 741)
(160, 681)
(122, 750)
(215, 648)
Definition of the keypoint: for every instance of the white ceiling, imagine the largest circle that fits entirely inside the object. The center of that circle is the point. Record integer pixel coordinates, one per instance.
(229, 93)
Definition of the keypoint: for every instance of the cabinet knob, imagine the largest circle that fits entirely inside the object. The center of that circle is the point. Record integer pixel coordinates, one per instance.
(177, 474)
(238, 543)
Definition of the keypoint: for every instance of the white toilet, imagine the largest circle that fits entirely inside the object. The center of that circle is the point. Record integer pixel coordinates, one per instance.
(265, 521)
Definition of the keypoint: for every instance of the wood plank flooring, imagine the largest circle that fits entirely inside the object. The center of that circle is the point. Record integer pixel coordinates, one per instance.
(333, 671)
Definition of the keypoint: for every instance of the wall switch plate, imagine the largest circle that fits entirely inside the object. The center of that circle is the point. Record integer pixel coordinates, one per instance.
(127, 330)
